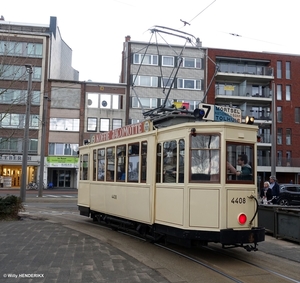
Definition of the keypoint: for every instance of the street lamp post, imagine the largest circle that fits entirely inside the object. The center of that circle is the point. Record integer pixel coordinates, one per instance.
(43, 140)
(26, 135)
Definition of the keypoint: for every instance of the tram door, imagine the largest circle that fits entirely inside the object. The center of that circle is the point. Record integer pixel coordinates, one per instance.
(62, 178)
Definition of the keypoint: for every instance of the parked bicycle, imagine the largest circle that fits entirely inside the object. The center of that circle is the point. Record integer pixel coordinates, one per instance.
(35, 186)
(32, 186)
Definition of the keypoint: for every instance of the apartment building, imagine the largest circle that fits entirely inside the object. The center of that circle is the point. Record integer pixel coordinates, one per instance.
(36, 51)
(149, 70)
(252, 81)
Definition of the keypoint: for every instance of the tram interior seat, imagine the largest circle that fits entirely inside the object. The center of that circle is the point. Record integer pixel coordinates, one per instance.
(200, 176)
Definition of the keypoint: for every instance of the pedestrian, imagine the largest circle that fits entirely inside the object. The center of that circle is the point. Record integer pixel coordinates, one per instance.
(275, 188)
(266, 193)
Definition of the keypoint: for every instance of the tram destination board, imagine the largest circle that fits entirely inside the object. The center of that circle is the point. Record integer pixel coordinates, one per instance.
(221, 113)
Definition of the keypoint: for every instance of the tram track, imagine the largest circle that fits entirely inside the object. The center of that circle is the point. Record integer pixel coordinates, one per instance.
(219, 262)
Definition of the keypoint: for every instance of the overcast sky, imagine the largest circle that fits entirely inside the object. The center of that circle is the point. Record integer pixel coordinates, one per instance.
(95, 29)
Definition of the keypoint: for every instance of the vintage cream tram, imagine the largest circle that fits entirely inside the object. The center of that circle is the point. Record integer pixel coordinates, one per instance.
(168, 179)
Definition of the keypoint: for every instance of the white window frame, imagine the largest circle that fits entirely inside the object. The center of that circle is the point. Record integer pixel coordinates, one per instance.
(166, 82)
(104, 124)
(146, 81)
(165, 59)
(142, 58)
(183, 84)
(92, 124)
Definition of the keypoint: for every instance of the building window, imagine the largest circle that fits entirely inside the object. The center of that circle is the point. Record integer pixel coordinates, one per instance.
(297, 115)
(144, 102)
(63, 149)
(279, 69)
(133, 121)
(62, 124)
(34, 50)
(279, 136)
(168, 61)
(279, 114)
(92, 124)
(288, 93)
(279, 158)
(166, 82)
(188, 84)
(93, 100)
(11, 120)
(104, 125)
(145, 81)
(279, 92)
(288, 158)
(288, 138)
(192, 63)
(145, 59)
(105, 101)
(288, 70)
(116, 123)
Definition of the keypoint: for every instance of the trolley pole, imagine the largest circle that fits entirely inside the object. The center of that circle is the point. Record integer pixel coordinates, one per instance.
(273, 143)
(26, 135)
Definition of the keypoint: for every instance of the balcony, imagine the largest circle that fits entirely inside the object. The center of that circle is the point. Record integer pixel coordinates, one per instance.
(280, 162)
(241, 72)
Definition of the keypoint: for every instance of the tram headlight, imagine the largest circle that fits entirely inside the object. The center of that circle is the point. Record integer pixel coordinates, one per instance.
(242, 218)
(249, 120)
(199, 113)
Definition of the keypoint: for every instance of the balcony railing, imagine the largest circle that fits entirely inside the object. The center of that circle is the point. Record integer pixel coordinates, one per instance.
(283, 162)
(245, 69)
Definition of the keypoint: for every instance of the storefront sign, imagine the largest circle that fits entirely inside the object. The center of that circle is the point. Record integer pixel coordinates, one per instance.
(18, 158)
(62, 161)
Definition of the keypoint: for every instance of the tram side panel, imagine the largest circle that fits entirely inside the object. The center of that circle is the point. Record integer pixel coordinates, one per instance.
(123, 200)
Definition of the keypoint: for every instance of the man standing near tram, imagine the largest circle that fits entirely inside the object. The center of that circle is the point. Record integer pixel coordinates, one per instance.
(275, 188)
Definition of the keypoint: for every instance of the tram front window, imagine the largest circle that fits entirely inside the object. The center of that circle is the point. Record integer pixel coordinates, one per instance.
(205, 158)
(239, 162)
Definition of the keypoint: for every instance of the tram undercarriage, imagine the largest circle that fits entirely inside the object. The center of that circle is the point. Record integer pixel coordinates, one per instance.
(158, 233)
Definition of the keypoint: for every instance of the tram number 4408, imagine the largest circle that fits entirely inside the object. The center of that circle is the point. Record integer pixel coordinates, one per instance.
(238, 200)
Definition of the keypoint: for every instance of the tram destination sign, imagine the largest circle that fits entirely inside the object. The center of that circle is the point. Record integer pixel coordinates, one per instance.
(221, 113)
(128, 130)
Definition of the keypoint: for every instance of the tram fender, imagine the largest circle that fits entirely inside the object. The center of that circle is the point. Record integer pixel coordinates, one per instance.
(231, 236)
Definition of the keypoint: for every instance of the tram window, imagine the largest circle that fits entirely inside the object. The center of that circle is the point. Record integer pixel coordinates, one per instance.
(170, 161)
(110, 161)
(144, 161)
(240, 162)
(133, 162)
(84, 166)
(101, 164)
(94, 164)
(121, 158)
(158, 163)
(205, 158)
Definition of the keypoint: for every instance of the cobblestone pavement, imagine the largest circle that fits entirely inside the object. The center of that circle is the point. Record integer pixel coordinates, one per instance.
(49, 252)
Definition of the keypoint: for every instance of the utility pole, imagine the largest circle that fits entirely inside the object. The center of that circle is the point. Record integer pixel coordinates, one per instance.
(43, 140)
(273, 143)
(26, 135)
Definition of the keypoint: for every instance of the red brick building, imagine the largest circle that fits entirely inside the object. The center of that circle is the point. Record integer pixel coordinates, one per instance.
(250, 81)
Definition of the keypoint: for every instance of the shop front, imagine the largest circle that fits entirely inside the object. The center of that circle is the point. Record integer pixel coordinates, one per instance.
(62, 171)
(11, 170)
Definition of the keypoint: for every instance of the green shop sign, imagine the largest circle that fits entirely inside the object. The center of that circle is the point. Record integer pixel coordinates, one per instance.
(62, 161)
